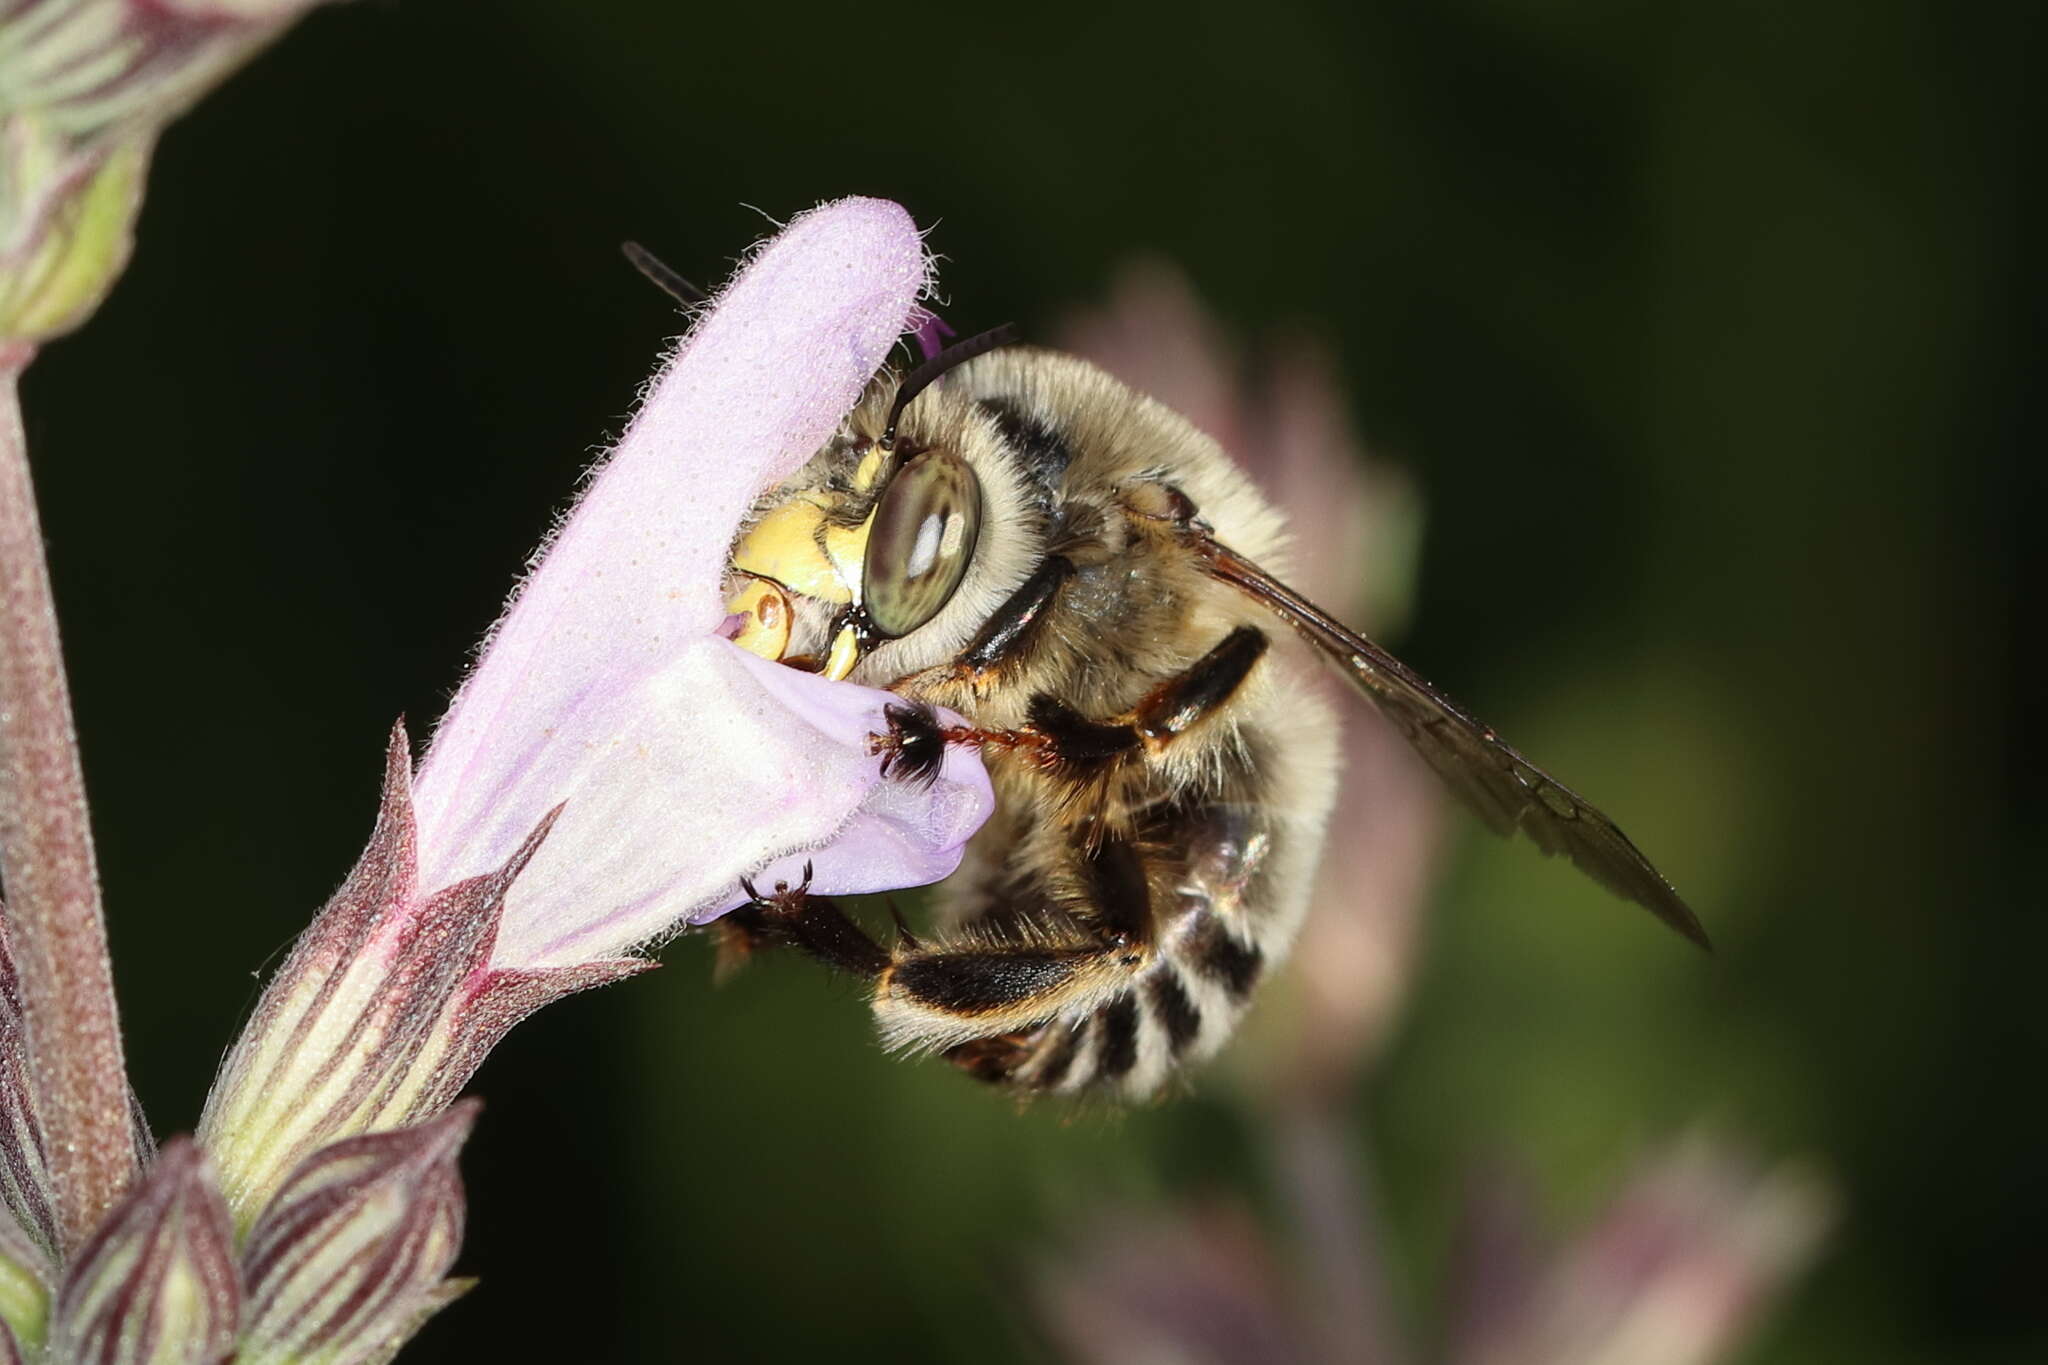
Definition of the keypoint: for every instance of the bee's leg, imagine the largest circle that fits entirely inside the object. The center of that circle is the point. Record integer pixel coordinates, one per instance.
(1102, 1007)
(1181, 701)
(1014, 626)
(813, 924)
(970, 991)
(1070, 743)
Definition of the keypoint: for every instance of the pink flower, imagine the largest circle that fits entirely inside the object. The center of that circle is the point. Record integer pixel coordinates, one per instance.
(613, 766)
(1681, 1267)
(1677, 1270)
(684, 761)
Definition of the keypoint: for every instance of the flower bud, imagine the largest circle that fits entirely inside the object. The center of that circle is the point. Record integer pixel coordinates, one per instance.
(85, 86)
(25, 1279)
(1678, 1269)
(156, 1284)
(350, 1257)
(24, 1178)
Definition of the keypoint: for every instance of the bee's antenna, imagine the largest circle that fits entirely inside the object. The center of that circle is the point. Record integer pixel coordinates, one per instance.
(663, 278)
(959, 353)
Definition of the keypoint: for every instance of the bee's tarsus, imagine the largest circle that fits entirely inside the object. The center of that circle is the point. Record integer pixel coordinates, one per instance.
(814, 924)
(914, 749)
(906, 941)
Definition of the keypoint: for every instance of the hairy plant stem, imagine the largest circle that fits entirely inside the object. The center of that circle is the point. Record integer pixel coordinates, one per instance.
(47, 869)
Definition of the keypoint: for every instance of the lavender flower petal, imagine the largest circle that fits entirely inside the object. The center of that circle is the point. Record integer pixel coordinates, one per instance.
(679, 762)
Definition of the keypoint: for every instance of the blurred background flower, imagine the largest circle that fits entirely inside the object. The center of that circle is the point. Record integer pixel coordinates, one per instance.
(1677, 1270)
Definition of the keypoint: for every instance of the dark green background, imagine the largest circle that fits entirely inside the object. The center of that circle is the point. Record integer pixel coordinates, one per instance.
(1701, 327)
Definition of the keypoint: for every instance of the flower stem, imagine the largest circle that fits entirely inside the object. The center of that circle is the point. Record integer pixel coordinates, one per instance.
(47, 867)
(1318, 1165)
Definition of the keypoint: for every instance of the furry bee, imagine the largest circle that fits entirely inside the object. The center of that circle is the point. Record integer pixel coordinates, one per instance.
(1077, 571)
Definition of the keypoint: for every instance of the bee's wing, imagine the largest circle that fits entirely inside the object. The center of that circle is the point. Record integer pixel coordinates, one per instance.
(1508, 791)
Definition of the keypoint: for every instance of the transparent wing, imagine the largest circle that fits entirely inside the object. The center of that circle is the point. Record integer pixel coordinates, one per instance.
(1506, 790)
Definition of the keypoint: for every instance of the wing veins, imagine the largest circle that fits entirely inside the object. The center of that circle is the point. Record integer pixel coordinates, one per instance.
(1503, 788)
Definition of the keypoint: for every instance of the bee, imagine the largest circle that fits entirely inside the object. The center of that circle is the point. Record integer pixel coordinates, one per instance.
(1088, 581)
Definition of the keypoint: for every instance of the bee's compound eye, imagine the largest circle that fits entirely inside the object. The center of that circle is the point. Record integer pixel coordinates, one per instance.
(922, 541)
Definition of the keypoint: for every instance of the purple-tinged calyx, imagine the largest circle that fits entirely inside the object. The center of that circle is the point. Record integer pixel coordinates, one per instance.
(352, 1255)
(157, 1283)
(30, 1210)
(24, 1177)
(386, 1006)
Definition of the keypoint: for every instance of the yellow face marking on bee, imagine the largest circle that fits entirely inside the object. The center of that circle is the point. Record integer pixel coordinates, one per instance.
(765, 631)
(784, 546)
(847, 548)
(845, 654)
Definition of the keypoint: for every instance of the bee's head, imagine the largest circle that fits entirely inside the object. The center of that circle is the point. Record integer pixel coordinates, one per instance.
(873, 541)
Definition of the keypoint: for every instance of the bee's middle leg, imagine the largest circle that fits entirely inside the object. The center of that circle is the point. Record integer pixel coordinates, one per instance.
(1069, 741)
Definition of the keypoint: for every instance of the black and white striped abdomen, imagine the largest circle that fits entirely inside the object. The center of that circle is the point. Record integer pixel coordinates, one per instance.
(1232, 918)
(1108, 968)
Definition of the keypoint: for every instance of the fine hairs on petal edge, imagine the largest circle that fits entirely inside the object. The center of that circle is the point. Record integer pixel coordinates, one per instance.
(693, 316)
(603, 686)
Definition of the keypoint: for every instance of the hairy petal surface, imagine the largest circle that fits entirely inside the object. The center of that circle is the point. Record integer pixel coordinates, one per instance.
(612, 766)
(680, 762)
